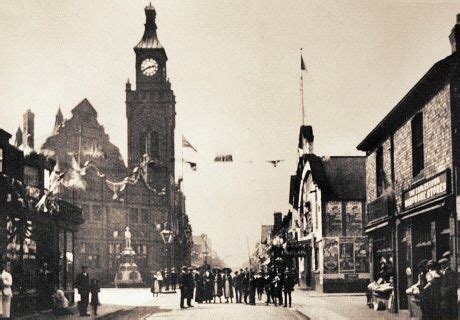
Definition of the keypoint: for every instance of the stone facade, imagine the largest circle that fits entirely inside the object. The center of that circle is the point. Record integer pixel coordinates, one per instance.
(101, 238)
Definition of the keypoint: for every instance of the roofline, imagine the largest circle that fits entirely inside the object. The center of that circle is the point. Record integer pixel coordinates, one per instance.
(364, 145)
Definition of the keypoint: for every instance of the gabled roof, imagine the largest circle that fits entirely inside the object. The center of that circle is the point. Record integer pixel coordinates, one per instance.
(85, 107)
(433, 81)
(346, 177)
(339, 178)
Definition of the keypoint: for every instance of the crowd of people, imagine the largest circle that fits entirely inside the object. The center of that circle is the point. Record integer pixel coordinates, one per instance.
(435, 291)
(164, 280)
(210, 286)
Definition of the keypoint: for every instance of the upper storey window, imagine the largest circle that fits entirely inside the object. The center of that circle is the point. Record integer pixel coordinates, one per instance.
(417, 144)
(379, 172)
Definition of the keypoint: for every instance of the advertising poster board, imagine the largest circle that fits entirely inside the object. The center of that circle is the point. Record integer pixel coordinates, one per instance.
(331, 255)
(334, 218)
(346, 253)
(361, 255)
(354, 218)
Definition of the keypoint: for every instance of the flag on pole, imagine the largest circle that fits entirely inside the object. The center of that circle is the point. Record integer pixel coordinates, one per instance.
(302, 63)
(192, 165)
(187, 144)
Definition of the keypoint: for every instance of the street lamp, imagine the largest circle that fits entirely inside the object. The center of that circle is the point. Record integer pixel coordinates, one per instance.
(167, 236)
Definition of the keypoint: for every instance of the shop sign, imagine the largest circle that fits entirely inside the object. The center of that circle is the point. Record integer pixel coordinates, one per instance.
(296, 249)
(351, 276)
(430, 189)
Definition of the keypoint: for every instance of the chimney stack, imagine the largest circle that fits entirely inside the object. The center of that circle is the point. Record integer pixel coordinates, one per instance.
(28, 129)
(306, 139)
(277, 220)
(454, 36)
(18, 138)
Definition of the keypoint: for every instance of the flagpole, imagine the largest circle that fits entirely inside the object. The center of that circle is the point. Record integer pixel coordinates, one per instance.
(301, 91)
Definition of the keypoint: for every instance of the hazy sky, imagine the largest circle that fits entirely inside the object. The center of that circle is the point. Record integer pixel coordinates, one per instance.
(234, 67)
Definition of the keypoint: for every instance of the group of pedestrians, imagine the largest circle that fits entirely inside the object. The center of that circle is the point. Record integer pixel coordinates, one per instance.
(436, 289)
(85, 286)
(209, 286)
(164, 280)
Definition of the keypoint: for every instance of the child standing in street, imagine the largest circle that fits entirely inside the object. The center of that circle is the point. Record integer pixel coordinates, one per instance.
(94, 289)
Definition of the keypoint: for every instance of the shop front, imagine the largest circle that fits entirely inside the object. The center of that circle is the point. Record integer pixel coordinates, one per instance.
(426, 229)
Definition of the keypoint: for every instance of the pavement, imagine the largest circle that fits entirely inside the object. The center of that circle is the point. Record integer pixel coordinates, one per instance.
(138, 303)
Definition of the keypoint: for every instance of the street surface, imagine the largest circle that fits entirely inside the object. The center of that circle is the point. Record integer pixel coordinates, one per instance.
(139, 304)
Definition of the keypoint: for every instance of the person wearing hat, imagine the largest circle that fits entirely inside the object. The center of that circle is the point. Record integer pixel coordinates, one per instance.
(218, 286)
(83, 285)
(237, 285)
(448, 289)
(228, 285)
(429, 295)
(6, 281)
(288, 286)
(208, 279)
(183, 286)
(173, 279)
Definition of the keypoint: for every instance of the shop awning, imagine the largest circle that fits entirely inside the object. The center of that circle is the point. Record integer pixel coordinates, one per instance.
(378, 226)
(413, 213)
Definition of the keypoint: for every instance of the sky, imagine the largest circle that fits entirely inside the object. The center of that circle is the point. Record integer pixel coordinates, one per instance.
(235, 69)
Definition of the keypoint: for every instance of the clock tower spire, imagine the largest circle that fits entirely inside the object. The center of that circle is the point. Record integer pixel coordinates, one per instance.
(150, 55)
(150, 107)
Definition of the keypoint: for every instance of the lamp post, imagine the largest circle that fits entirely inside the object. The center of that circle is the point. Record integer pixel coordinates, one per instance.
(205, 253)
(167, 236)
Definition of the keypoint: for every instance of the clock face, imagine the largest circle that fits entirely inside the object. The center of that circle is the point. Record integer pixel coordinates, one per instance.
(149, 67)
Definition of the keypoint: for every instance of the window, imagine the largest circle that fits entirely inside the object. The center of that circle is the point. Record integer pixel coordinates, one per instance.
(154, 145)
(1, 160)
(97, 213)
(379, 171)
(133, 215)
(111, 248)
(82, 247)
(31, 176)
(144, 249)
(85, 211)
(417, 144)
(145, 216)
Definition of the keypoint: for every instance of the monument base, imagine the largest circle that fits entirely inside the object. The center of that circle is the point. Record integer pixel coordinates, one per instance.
(128, 275)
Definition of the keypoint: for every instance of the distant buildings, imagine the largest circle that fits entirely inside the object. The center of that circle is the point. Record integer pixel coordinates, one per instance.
(412, 166)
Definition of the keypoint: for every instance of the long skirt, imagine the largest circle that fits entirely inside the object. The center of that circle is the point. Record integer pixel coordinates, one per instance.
(156, 286)
(228, 290)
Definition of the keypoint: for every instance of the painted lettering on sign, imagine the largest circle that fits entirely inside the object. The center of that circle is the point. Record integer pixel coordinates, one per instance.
(429, 190)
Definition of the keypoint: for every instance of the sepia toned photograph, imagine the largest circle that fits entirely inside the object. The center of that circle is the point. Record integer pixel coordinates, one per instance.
(230, 159)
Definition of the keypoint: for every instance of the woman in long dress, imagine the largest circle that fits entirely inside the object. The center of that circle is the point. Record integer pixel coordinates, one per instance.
(208, 285)
(218, 286)
(155, 286)
(199, 287)
(228, 286)
(159, 277)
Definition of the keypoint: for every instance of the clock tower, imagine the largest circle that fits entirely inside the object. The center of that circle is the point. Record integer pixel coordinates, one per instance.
(150, 108)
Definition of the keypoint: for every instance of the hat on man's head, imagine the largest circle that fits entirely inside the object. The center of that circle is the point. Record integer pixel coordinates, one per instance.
(446, 254)
(422, 263)
(184, 267)
(431, 263)
(443, 260)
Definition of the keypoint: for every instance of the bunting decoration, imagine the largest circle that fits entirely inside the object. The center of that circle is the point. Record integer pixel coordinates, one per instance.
(187, 144)
(274, 162)
(192, 165)
(224, 158)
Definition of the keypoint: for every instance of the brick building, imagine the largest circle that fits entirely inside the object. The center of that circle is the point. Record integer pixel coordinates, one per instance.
(413, 156)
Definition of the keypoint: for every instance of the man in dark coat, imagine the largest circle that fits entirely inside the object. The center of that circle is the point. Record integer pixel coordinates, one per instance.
(237, 284)
(208, 279)
(245, 285)
(288, 286)
(183, 286)
(252, 289)
(83, 285)
(448, 289)
(45, 287)
(190, 287)
(267, 286)
(173, 278)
